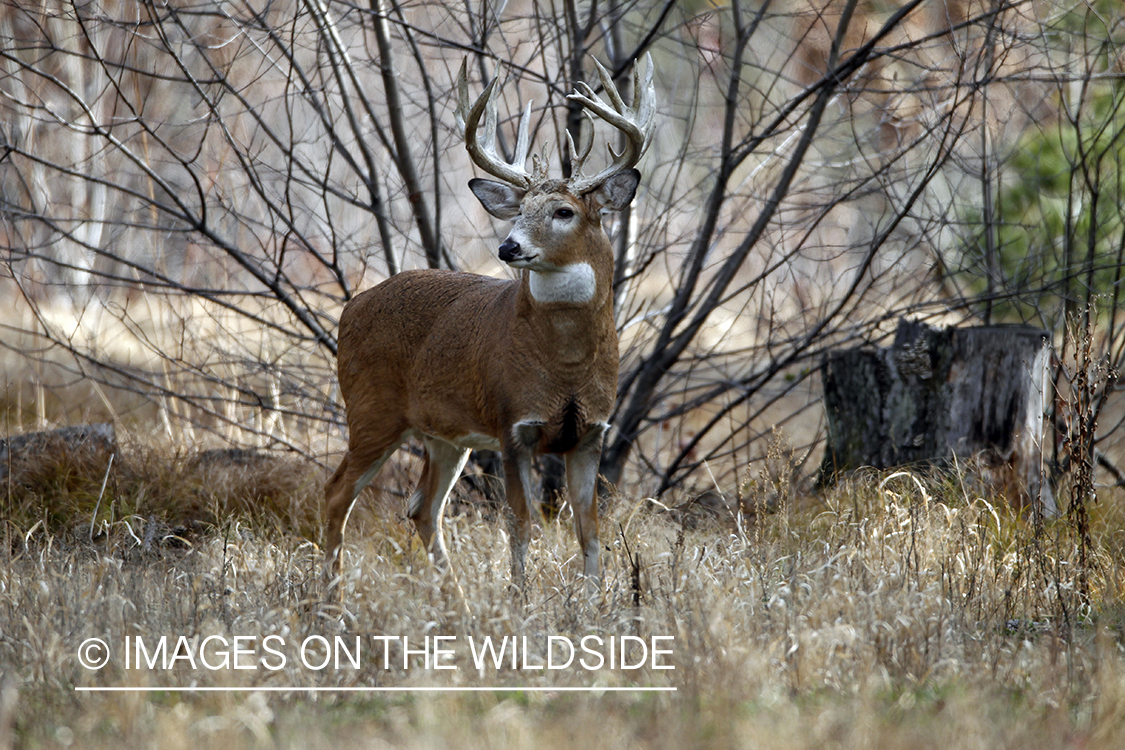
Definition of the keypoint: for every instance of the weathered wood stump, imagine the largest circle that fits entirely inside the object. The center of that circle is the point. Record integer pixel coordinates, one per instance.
(974, 395)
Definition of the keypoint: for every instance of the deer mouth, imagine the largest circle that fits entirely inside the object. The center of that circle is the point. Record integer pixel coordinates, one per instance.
(523, 261)
(513, 252)
(516, 256)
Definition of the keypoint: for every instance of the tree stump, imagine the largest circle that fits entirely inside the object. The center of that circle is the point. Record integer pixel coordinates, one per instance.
(972, 395)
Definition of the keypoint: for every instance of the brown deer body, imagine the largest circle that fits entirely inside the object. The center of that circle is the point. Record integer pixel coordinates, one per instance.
(524, 366)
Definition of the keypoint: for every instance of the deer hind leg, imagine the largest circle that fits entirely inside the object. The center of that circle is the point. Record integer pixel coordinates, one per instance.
(521, 493)
(365, 457)
(581, 484)
(444, 462)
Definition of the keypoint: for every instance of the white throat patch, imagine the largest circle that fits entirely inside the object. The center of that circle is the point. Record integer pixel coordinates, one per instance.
(574, 284)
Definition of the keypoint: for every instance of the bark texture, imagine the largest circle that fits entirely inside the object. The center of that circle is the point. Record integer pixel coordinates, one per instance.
(977, 396)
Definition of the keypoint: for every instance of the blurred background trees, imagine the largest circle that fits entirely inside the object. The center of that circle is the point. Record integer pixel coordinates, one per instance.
(190, 192)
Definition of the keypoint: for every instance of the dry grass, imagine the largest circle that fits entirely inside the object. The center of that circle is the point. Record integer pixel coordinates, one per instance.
(894, 612)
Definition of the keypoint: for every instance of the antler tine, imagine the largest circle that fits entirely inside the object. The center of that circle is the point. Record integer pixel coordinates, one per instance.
(635, 122)
(462, 110)
(480, 141)
(523, 141)
(578, 158)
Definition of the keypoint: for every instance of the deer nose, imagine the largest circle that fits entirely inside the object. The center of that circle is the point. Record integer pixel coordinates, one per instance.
(509, 250)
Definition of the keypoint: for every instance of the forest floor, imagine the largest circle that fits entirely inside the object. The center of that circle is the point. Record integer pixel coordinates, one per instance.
(901, 610)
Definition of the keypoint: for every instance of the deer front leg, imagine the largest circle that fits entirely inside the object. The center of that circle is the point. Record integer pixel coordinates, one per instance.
(581, 481)
(523, 498)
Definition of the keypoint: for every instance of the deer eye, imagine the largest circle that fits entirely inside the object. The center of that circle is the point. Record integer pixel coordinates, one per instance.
(564, 213)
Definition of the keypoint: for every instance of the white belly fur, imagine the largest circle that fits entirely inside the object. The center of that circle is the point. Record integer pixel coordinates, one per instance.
(476, 442)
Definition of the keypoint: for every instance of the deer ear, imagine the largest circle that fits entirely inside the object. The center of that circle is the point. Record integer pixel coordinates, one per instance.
(618, 190)
(499, 199)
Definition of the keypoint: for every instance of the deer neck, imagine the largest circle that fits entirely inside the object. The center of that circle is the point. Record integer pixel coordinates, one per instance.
(583, 284)
(571, 308)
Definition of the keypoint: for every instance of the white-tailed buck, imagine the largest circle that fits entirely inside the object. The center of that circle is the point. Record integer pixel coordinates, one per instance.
(524, 366)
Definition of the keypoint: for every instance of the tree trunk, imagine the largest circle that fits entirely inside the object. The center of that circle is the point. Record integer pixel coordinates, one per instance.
(974, 395)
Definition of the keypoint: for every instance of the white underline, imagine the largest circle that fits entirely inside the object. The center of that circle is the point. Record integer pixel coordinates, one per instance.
(276, 689)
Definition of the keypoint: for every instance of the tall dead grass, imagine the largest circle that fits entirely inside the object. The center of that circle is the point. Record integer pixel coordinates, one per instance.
(896, 611)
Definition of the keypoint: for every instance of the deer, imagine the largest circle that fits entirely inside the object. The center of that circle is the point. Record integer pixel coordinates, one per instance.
(523, 366)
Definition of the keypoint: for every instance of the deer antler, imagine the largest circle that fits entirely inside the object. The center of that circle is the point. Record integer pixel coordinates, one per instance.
(636, 122)
(482, 145)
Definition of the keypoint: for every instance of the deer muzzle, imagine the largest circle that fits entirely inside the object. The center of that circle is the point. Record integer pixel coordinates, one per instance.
(510, 250)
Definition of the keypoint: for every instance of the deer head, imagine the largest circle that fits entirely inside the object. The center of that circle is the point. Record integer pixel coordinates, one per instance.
(557, 223)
